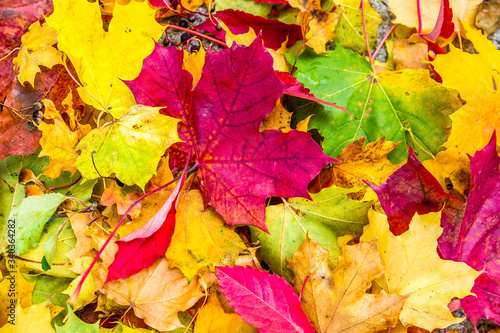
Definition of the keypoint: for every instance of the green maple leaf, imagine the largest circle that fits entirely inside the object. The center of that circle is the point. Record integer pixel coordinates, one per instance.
(404, 105)
(329, 215)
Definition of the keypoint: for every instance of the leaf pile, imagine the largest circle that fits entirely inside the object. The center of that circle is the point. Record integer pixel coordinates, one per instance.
(281, 179)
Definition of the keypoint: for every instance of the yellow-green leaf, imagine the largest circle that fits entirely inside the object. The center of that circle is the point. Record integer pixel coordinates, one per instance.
(129, 147)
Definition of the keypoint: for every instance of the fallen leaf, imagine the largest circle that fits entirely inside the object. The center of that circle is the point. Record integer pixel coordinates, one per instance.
(238, 166)
(201, 237)
(336, 300)
(61, 266)
(36, 50)
(411, 189)
(22, 292)
(250, 7)
(407, 13)
(212, 319)
(356, 164)
(15, 136)
(242, 39)
(389, 104)
(349, 30)
(142, 247)
(35, 319)
(60, 139)
(317, 26)
(103, 59)
(11, 191)
(451, 169)
(263, 300)
(487, 16)
(75, 324)
(123, 197)
(418, 271)
(15, 18)
(30, 217)
(410, 54)
(278, 119)
(474, 239)
(156, 294)
(476, 77)
(130, 147)
(328, 215)
(274, 32)
(294, 88)
(193, 63)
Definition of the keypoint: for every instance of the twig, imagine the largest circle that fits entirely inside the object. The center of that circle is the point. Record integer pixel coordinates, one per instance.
(362, 6)
(382, 42)
(8, 54)
(216, 41)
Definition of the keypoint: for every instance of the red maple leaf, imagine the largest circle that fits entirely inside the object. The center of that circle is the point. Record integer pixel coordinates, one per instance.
(411, 189)
(274, 32)
(476, 239)
(239, 166)
(263, 300)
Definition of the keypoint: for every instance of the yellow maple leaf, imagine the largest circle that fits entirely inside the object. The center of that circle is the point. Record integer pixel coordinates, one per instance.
(213, 319)
(406, 12)
(123, 197)
(201, 237)
(36, 49)
(60, 139)
(336, 300)
(279, 118)
(34, 319)
(14, 286)
(317, 25)
(413, 267)
(193, 63)
(477, 78)
(451, 168)
(156, 294)
(103, 59)
(370, 163)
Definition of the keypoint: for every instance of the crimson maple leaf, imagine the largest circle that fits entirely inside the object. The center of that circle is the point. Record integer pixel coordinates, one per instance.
(239, 166)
